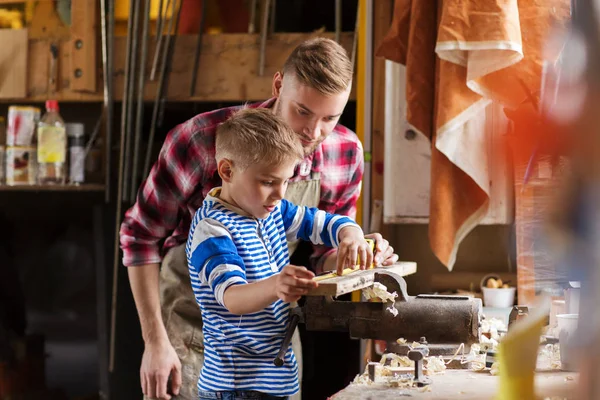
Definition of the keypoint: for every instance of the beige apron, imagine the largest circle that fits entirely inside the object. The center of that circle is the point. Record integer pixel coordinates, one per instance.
(181, 314)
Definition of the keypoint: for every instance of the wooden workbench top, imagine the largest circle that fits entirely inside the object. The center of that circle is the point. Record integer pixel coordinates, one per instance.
(464, 385)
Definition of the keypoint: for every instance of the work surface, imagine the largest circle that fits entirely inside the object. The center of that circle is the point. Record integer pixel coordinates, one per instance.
(464, 385)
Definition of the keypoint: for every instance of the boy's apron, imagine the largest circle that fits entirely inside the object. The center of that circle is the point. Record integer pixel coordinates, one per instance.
(181, 314)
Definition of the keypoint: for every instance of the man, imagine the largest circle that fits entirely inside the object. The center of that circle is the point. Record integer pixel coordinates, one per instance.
(310, 94)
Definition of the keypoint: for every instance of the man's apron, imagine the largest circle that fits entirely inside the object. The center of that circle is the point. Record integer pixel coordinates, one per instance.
(181, 314)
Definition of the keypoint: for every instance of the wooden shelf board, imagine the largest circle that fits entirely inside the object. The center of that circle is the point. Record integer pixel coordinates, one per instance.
(86, 187)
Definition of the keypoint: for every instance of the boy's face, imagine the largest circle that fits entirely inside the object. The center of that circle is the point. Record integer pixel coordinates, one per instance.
(259, 188)
(311, 114)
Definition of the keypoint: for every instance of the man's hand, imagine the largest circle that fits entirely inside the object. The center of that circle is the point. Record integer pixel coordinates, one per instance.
(158, 363)
(353, 248)
(384, 253)
(293, 282)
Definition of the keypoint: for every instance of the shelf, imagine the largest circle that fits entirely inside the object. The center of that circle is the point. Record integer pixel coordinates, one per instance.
(228, 68)
(86, 187)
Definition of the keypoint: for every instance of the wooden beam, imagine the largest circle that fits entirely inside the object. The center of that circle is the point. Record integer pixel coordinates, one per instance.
(84, 24)
(382, 18)
(227, 70)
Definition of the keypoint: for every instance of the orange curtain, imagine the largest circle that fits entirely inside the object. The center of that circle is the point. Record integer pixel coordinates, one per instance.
(461, 55)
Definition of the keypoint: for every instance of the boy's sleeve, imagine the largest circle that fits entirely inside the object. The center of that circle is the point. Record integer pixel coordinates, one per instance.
(312, 224)
(213, 258)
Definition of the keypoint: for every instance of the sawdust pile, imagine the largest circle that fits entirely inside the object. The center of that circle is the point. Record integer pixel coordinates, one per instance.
(379, 291)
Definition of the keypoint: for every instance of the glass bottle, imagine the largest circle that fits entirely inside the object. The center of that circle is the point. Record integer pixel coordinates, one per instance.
(51, 146)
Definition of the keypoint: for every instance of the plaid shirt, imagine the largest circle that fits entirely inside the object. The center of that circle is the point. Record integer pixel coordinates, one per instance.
(186, 171)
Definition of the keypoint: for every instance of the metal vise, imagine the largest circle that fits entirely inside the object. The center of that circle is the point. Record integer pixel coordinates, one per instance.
(442, 319)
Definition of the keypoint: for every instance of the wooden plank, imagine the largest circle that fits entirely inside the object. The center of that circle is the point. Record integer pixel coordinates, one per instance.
(13, 63)
(46, 23)
(360, 279)
(84, 24)
(227, 70)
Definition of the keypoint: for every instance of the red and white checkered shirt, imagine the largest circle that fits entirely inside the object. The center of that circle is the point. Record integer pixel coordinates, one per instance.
(186, 171)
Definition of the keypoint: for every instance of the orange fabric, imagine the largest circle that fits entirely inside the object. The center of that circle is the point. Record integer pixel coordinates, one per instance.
(457, 62)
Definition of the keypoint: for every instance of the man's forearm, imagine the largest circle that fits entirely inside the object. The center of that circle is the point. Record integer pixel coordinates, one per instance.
(250, 297)
(144, 285)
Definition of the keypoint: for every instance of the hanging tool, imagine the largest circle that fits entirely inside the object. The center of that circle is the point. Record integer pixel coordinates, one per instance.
(272, 17)
(338, 20)
(107, 22)
(252, 20)
(166, 72)
(263, 37)
(139, 120)
(130, 101)
(355, 37)
(158, 50)
(161, 87)
(198, 50)
(119, 200)
(53, 74)
(159, 22)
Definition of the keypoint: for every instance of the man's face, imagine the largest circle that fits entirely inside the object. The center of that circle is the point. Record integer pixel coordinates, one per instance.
(259, 188)
(311, 114)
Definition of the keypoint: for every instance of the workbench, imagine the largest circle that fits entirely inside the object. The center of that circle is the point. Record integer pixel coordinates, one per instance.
(464, 385)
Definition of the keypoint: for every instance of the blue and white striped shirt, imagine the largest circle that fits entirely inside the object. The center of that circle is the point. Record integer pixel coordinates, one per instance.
(227, 247)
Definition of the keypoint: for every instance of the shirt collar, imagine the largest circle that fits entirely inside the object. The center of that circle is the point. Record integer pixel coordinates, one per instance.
(215, 195)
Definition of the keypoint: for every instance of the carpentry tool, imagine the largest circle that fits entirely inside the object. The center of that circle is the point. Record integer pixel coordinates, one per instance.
(417, 355)
(263, 37)
(338, 20)
(53, 74)
(198, 50)
(107, 23)
(139, 119)
(134, 15)
(162, 84)
(446, 321)
(252, 19)
(159, 38)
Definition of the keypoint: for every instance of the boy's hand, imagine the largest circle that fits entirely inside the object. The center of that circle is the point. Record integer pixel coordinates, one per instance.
(352, 247)
(293, 282)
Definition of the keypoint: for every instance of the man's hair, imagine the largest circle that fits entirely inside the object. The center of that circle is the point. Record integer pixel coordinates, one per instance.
(321, 64)
(257, 135)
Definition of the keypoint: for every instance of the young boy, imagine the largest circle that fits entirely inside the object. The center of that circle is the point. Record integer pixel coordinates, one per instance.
(238, 258)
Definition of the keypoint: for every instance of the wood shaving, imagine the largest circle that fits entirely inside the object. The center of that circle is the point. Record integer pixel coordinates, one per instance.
(425, 389)
(495, 369)
(568, 378)
(434, 365)
(394, 360)
(379, 291)
(401, 340)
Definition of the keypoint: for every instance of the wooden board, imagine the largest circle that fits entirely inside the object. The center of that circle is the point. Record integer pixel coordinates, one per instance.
(339, 285)
(464, 385)
(13, 63)
(227, 71)
(83, 45)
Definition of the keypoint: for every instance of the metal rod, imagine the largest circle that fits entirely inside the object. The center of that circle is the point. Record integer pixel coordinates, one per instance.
(158, 96)
(130, 100)
(167, 73)
(198, 50)
(107, 99)
(116, 260)
(158, 49)
(139, 118)
(252, 20)
(263, 37)
(338, 20)
(355, 37)
(272, 17)
(159, 20)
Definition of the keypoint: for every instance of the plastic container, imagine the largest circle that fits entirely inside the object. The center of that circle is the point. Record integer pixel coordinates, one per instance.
(76, 135)
(567, 328)
(500, 298)
(51, 146)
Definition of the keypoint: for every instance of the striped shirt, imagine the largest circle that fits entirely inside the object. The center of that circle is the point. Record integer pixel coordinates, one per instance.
(227, 247)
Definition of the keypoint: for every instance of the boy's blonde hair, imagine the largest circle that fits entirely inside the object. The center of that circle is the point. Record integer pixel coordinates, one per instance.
(322, 64)
(257, 135)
